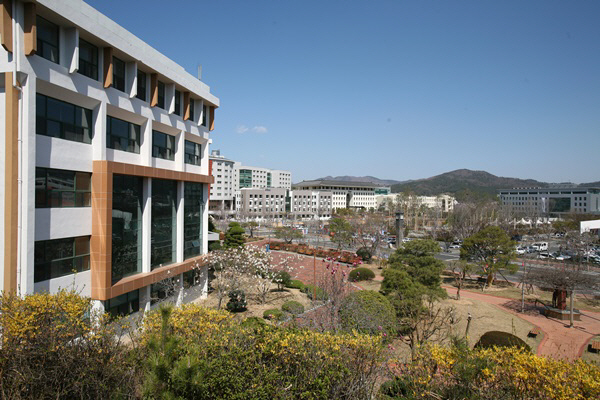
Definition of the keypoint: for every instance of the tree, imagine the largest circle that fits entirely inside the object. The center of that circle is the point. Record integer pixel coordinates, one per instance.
(287, 233)
(370, 232)
(460, 270)
(234, 237)
(492, 249)
(467, 219)
(250, 225)
(229, 267)
(367, 311)
(342, 232)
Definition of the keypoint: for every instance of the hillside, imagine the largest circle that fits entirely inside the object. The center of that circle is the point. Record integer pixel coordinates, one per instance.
(372, 179)
(464, 182)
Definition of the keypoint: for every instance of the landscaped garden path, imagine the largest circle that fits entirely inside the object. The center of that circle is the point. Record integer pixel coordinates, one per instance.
(559, 340)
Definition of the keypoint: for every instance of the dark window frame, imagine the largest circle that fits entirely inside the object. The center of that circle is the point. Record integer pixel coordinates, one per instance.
(163, 227)
(166, 152)
(48, 267)
(88, 68)
(133, 144)
(192, 105)
(160, 88)
(118, 80)
(63, 129)
(193, 158)
(49, 197)
(126, 304)
(193, 210)
(204, 116)
(44, 44)
(142, 86)
(177, 102)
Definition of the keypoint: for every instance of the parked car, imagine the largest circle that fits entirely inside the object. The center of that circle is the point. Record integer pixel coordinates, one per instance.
(544, 255)
(530, 249)
(455, 246)
(541, 246)
(406, 240)
(521, 250)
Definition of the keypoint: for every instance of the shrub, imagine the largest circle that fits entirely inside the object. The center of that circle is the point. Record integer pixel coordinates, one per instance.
(500, 339)
(361, 274)
(295, 284)
(282, 279)
(216, 245)
(237, 301)
(364, 253)
(310, 291)
(368, 312)
(274, 314)
(293, 307)
(254, 323)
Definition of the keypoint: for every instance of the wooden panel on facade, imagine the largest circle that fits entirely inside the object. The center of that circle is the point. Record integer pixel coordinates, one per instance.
(11, 194)
(30, 29)
(6, 36)
(153, 90)
(108, 67)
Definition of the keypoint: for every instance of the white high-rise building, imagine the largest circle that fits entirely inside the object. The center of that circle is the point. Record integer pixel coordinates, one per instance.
(223, 189)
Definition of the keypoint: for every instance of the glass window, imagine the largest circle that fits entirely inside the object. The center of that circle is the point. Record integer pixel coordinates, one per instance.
(63, 120)
(141, 85)
(60, 257)
(124, 304)
(62, 188)
(177, 102)
(163, 145)
(88, 59)
(47, 39)
(118, 74)
(164, 223)
(204, 116)
(122, 135)
(192, 219)
(161, 95)
(193, 153)
(192, 106)
(126, 226)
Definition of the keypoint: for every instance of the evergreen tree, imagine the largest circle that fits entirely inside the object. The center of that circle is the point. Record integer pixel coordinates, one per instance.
(234, 237)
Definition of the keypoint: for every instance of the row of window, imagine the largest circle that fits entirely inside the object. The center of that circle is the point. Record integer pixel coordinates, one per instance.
(56, 118)
(48, 45)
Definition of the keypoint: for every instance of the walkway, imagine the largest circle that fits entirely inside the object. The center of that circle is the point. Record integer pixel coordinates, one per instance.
(559, 340)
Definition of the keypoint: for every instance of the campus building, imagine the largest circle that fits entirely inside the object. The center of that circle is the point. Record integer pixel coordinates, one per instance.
(279, 204)
(224, 187)
(262, 178)
(104, 158)
(344, 194)
(444, 203)
(553, 201)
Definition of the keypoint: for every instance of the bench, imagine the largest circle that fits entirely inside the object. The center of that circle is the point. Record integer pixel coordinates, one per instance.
(534, 332)
(594, 346)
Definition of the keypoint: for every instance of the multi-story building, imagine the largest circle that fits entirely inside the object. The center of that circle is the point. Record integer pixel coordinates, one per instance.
(344, 194)
(553, 201)
(279, 204)
(223, 189)
(443, 202)
(104, 157)
(262, 178)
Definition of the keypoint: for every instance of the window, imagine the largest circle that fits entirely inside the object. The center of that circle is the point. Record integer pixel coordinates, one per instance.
(192, 153)
(177, 102)
(118, 74)
(88, 59)
(122, 135)
(161, 95)
(141, 85)
(126, 226)
(163, 145)
(124, 304)
(192, 109)
(47, 40)
(60, 257)
(204, 111)
(192, 219)
(63, 120)
(164, 222)
(61, 188)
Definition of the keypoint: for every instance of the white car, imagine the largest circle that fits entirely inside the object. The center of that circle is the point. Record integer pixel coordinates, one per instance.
(454, 246)
(406, 240)
(521, 250)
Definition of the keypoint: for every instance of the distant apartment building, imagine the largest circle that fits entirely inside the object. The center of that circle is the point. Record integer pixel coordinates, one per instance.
(224, 187)
(444, 202)
(279, 204)
(344, 194)
(104, 158)
(262, 178)
(554, 201)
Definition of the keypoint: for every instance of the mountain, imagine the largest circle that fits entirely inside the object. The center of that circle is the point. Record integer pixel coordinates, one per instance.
(464, 183)
(372, 179)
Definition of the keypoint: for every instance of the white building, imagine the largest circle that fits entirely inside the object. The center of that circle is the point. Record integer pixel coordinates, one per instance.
(443, 202)
(223, 189)
(344, 194)
(279, 204)
(104, 157)
(262, 178)
(554, 201)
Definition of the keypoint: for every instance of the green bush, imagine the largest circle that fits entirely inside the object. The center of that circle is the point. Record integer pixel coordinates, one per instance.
(295, 284)
(361, 274)
(493, 339)
(364, 253)
(216, 245)
(237, 301)
(282, 279)
(293, 307)
(274, 314)
(254, 323)
(369, 312)
(310, 291)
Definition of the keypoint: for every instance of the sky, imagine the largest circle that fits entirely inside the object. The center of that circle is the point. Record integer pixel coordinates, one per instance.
(393, 89)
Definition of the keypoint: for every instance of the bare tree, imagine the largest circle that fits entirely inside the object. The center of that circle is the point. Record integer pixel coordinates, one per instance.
(461, 269)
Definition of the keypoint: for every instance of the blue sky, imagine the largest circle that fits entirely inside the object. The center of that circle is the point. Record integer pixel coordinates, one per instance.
(394, 89)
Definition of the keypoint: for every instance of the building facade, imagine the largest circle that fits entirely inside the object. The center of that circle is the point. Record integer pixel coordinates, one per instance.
(262, 178)
(223, 189)
(554, 201)
(344, 194)
(279, 204)
(104, 158)
(444, 202)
